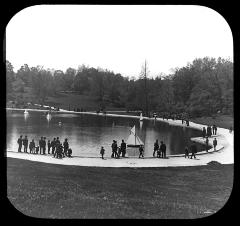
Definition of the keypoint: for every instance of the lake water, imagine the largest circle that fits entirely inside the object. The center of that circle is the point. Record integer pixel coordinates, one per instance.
(87, 133)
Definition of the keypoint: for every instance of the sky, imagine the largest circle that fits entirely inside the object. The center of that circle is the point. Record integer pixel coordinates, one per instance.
(117, 38)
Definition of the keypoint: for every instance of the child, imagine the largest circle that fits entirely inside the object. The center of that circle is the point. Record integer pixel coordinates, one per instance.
(69, 152)
(37, 149)
(102, 151)
(141, 151)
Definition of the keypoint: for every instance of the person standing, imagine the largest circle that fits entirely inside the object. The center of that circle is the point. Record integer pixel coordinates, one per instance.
(141, 151)
(115, 147)
(25, 144)
(186, 152)
(207, 142)
(163, 149)
(49, 146)
(123, 148)
(19, 141)
(53, 145)
(65, 146)
(32, 146)
(44, 145)
(214, 143)
(102, 151)
(59, 150)
(155, 148)
(41, 146)
(57, 147)
(57, 141)
(204, 132)
(209, 131)
(215, 130)
(193, 150)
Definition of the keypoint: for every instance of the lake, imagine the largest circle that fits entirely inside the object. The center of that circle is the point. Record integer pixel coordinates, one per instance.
(87, 133)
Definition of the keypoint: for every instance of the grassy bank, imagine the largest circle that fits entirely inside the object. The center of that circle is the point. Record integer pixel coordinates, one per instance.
(223, 121)
(57, 191)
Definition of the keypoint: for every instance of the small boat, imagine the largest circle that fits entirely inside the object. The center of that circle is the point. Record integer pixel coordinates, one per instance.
(26, 112)
(133, 140)
(141, 117)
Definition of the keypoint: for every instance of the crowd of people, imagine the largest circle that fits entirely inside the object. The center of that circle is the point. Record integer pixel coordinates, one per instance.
(60, 150)
(54, 147)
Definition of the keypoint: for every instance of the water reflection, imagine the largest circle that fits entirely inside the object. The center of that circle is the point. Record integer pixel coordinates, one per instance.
(26, 116)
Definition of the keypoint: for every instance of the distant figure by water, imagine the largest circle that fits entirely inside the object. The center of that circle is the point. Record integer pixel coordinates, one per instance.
(214, 144)
(19, 141)
(102, 151)
(141, 152)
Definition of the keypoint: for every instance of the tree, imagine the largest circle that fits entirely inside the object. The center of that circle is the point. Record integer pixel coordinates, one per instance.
(143, 76)
(10, 76)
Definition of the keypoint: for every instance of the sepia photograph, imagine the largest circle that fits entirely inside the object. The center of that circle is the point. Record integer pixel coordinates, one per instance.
(119, 111)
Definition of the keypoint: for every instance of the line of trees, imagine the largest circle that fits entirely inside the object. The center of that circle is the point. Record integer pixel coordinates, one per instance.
(203, 87)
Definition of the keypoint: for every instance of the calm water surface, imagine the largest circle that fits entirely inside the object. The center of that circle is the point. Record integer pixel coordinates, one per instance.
(87, 133)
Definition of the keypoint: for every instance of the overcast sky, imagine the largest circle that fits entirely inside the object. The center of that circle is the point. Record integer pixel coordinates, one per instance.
(117, 38)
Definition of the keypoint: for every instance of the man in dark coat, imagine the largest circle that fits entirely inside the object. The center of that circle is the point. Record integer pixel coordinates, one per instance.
(44, 145)
(114, 149)
(65, 146)
(19, 143)
(123, 148)
(102, 151)
(214, 129)
(155, 148)
(186, 152)
(25, 144)
(53, 145)
(41, 146)
(49, 146)
(207, 142)
(32, 146)
(209, 131)
(214, 143)
(163, 149)
(193, 150)
(204, 132)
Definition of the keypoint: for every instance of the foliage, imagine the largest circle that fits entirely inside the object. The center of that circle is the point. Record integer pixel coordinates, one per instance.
(203, 87)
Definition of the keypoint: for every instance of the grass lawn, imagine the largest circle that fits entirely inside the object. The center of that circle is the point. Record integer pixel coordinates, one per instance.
(223, 121)
(58, 191)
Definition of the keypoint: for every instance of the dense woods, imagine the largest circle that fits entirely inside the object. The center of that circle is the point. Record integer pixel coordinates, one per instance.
(203, 87)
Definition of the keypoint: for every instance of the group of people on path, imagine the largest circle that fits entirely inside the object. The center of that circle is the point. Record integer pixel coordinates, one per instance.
(206, 133)
(118, 151)
(54, 147)
(161, 150)
(209, 131)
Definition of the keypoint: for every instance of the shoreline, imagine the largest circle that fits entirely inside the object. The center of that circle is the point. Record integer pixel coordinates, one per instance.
(224, 153)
